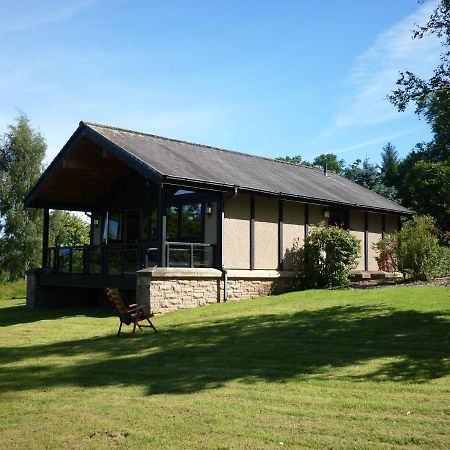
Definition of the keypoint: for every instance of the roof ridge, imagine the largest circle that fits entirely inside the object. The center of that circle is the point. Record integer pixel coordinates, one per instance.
(126, 130)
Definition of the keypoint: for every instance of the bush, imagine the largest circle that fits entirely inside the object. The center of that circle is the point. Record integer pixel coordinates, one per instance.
(329, 255)
(414, 251)
(441, 262)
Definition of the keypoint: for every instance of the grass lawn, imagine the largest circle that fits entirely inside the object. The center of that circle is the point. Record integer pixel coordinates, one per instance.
(317, 369)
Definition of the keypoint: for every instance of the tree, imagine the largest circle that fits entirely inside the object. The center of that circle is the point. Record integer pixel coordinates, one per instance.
(431, 97)
(297, 159)
(389, 165)
(368, 175)
(332, 161)
(67, 229)
(22, 150)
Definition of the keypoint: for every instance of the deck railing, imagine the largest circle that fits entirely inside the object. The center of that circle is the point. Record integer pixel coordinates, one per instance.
(121, 259)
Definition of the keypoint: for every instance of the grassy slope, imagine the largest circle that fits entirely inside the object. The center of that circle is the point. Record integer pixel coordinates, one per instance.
(319, 369)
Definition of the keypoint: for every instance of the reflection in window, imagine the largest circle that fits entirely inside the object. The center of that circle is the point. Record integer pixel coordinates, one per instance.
(149, 230)
(172, 231)
(113, 227)
(184, 222)
(191, 216)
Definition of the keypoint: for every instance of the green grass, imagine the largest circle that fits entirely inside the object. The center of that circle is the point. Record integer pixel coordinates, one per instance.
(315, 369)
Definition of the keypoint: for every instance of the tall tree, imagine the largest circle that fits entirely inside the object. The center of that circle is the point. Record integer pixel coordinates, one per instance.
(22, 150)
(431, 97)
(332, 161)
(368, 175)
(389, 165)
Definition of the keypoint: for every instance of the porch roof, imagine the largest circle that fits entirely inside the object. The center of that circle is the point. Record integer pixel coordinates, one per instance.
(165, 160)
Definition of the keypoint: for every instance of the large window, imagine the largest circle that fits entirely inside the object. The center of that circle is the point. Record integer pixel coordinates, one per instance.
(184, 222)
(149, 228)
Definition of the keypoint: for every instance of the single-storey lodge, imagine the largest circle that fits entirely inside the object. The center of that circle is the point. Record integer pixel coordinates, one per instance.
(179, 224)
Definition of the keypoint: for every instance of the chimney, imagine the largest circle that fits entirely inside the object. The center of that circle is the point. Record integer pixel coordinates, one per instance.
(325, 171)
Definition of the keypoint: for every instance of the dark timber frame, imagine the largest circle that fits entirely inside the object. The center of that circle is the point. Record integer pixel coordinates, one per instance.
(366, 241)
(252, 232)
(280, 234)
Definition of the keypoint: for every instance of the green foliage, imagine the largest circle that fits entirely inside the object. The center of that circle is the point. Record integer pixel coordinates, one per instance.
(297, 159)
(332, 161)
(67, 229)
(415, 251)
(329, 255)
(22, 150)
(389, 165)
(369, 176)
(441, 262)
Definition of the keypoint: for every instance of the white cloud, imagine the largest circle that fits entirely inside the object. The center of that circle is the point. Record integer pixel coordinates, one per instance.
(371, 142)
(38, 16)
(375, 71)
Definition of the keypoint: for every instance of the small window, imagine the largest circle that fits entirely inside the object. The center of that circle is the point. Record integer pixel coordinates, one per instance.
(112, 229)
(338, 218)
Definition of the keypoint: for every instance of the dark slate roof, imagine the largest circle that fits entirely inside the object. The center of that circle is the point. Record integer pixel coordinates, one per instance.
(180, 160)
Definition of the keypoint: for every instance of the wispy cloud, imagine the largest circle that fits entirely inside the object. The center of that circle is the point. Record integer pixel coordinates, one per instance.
(375, 71)
(39, 16)
(370, 142)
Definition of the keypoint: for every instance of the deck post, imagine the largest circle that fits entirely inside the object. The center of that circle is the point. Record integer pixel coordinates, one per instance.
(162, 219)
(45, 238)
(252, 232)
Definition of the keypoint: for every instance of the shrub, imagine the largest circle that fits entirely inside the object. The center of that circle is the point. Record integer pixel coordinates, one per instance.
(414, 251)
(329, 255)
(441, 262)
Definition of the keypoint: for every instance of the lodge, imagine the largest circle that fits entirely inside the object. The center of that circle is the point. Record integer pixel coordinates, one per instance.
(179, 224)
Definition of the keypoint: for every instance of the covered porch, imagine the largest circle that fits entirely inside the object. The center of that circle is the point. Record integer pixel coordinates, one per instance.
(137, 220)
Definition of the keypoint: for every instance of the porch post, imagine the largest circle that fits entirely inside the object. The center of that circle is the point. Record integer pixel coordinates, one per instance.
(219, 240)
(162, 226)
(45, 238)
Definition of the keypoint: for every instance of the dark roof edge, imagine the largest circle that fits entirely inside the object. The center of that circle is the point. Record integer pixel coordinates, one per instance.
(181, 141)
(249, 190)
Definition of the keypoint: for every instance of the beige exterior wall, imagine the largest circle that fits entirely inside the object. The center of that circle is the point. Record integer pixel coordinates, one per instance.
(211, 226)
(293, 228)
(356, 223)
(375, 226)
(266, 233)
(236, 233)
(391, 223)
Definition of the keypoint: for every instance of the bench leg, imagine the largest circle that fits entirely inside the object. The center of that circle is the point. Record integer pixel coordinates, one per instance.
(153, 326)
(120, 327)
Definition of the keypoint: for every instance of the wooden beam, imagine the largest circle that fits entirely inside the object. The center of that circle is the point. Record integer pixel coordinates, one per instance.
(383, 226)
(366, 241)
(45, 230)
(280, 234)
(252, 232)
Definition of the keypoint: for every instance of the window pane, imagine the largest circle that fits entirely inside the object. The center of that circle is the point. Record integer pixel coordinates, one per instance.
(172, 222)
(192, 221)
(114, 228)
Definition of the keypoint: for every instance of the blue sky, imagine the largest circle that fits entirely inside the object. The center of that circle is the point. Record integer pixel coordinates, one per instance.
(265, 77)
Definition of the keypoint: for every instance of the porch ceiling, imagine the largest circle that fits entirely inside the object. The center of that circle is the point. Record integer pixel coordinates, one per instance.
(81, 179)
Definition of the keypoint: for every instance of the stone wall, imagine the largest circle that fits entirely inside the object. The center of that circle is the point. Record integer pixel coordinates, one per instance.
(169, 289)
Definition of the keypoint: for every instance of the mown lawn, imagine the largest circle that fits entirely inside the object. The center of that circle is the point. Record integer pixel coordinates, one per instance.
(316, 369)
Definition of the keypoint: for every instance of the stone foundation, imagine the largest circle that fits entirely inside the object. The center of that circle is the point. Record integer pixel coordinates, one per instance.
(169, 289)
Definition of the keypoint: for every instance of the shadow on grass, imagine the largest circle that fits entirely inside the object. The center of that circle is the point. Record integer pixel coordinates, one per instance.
(18, 315)
(275, 348)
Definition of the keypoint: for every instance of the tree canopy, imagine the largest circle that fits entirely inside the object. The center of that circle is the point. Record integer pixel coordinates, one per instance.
(22, 150)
